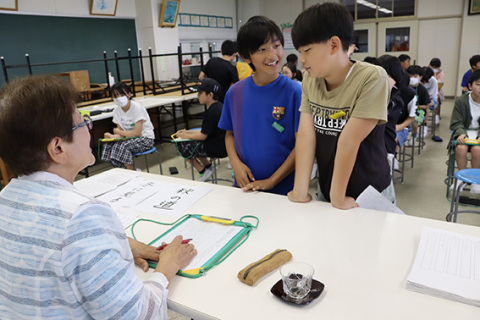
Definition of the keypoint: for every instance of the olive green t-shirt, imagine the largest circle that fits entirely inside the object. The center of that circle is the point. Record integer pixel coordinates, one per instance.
(364, 94)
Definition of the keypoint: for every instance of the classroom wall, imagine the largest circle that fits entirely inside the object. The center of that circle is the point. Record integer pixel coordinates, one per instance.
(283, 12)
(192, 38)
(226, 8)
(77, 8)
(469, 44)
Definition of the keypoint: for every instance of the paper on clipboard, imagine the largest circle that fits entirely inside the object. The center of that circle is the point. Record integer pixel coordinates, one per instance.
(209, 238)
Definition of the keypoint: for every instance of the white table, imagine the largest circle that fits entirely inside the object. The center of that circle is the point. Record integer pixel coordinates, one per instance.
(147, 101)
(363, 257)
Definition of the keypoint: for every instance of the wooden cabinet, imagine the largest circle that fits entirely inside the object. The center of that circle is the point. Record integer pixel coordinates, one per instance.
(79, 79)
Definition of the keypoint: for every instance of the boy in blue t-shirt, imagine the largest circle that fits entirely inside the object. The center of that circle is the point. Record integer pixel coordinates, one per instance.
(260, 113)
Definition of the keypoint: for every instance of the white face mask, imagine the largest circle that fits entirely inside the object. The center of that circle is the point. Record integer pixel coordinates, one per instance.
(435, 70)
(121, 101)
(414, 81)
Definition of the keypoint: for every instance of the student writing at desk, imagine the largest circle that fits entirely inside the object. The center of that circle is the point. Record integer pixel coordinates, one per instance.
(209, 141)
(66, 255)
(132, 121)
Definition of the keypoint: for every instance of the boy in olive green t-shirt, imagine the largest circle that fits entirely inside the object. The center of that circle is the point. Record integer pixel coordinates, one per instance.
(344, 105)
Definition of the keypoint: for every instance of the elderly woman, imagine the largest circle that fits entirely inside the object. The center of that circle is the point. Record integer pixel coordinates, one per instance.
(65, 255)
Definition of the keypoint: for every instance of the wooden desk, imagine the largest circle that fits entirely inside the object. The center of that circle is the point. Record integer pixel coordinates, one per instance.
(363, 257)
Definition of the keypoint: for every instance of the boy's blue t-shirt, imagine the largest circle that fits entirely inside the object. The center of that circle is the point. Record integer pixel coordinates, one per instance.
(250, 111)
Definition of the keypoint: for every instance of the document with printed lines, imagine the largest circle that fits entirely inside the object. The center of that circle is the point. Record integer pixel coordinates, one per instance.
(447, 265)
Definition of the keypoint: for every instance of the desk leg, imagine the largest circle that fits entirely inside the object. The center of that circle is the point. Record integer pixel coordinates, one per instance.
(159, 109)
(174, 114)
(185, 113)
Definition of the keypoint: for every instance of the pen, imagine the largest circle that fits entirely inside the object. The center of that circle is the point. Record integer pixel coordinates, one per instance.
(164, 245)
(338, 115)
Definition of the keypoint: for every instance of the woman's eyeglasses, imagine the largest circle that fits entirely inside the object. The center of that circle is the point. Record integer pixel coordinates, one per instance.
(87, 122)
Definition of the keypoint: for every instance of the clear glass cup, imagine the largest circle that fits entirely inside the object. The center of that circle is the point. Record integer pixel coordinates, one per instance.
(297, 279)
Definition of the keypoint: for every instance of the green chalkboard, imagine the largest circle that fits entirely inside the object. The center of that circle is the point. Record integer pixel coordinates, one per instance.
(66, 39)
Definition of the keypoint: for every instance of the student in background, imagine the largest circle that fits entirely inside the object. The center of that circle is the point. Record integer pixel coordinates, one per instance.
(370, 59)
(423, 98)
(343, 104)
(431, 84)
(293, 58)
(244, 70)
(405, 61)
(397, 104)
(465, 124)
(474, 65)
(132, 120)
(261, 114)
(222, 69)
(435, 65)
(290, 71)
(209, 141)
(66, 255)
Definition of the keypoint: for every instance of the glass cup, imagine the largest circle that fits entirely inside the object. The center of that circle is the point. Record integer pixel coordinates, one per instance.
(297, 279)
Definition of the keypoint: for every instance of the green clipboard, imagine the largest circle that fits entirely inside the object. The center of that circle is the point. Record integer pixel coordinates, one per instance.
(236, 237)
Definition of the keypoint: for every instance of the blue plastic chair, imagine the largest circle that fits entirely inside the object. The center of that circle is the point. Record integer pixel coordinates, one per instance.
(465, 176)
(146, 153)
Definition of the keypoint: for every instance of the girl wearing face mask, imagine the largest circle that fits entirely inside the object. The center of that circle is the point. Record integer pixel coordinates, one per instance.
(134, 131)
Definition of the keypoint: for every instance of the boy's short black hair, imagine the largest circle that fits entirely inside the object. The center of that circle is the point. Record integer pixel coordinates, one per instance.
(292, 57)
(254, 33)
(370, 59)
(474, 60)
(209, 85)
(394, 69)
(436, 63)
(404, 57)
(320, 22)
(229, 47)
(474, 77)
(427, 74)
(415, 69)
(120, 88)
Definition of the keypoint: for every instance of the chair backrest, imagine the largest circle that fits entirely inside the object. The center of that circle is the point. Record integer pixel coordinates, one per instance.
(5, 174)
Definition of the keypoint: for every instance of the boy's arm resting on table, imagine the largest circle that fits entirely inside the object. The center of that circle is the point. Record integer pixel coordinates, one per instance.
(283, 171)
(304, 158)
(243, 175)
(191, 134)
(354, 132)
(137, 132)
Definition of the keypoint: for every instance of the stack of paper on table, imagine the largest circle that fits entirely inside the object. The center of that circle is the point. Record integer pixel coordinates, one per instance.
(447, 265)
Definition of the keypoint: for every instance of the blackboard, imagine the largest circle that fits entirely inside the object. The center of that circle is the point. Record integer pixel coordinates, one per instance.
(65, 39)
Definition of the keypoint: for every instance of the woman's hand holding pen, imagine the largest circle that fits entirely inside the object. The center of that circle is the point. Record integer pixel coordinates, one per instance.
(174, 257)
